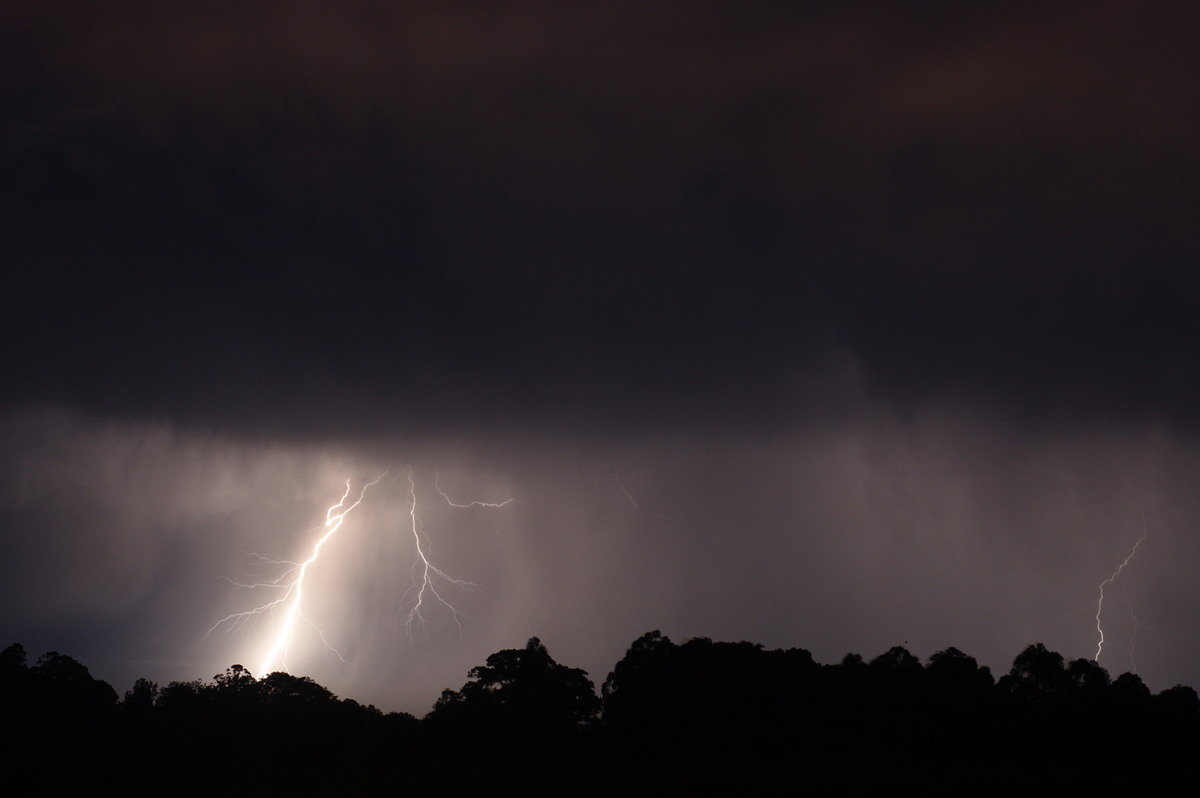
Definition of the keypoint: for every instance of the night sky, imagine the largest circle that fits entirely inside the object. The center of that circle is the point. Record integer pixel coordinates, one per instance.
(829, 325)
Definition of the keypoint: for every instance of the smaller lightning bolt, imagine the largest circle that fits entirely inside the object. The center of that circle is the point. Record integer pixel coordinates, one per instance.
(276, 582)
(665, 521)
(469, 505)
(426, 575)
(291, 581)
(1113, 578)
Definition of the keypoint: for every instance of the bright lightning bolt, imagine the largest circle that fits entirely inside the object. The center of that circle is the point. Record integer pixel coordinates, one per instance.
(292, 583)
(428, 588)
(1113, 578)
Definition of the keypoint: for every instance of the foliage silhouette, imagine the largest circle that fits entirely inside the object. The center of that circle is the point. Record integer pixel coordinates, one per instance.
(522, 695)
(690, 717)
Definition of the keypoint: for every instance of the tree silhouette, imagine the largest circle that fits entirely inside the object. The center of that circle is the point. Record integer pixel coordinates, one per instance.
(1086, 675)
(957, 678)
(12, 660)
(284, 689)
(142, 696)
(695, 717)
(1037, 673)
(524, 695)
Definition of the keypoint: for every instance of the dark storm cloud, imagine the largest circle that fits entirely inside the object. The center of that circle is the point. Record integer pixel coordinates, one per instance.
(638, 216)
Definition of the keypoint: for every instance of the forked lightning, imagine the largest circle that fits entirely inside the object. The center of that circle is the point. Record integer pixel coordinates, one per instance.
(424, 590)
(293, 589)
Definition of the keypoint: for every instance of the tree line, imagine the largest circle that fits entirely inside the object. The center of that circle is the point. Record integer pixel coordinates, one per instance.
(668, 718)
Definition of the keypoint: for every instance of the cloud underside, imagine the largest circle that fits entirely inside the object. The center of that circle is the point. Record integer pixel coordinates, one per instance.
(600, 218)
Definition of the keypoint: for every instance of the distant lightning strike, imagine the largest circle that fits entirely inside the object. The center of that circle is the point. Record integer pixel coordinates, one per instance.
(614, 478)
(1113, 578)
(292, 583)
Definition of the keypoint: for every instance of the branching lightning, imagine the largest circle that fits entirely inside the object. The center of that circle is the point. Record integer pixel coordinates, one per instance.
(291, 581)
(1113, 578)
(427, 589)
(425, 575)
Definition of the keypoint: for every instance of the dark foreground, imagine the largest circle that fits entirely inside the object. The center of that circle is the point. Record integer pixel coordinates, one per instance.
(670, 719)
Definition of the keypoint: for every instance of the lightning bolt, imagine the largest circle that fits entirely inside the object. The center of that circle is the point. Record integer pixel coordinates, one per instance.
(468, 505)
(426, 575)
(1113, 578)
(428, 581)
(664, 520)
(291, 581)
